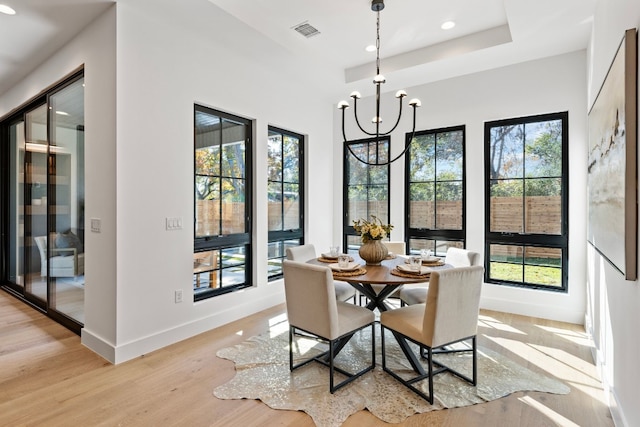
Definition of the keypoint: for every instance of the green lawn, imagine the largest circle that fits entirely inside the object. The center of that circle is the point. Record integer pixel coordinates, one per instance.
(534, 274)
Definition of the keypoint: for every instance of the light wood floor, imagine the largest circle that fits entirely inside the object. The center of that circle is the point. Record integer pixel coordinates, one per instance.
(47, 378)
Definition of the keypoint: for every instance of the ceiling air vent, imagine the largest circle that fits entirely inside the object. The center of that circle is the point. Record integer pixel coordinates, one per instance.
(306, 29)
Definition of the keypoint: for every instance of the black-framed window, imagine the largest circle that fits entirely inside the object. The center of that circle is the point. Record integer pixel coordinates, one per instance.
(526, 201)
(223, 194)
(366, 188)
(435, 190)
(285, 192)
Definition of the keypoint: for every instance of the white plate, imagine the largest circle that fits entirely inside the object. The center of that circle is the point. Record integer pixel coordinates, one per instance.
(329, 256)
(351, 267)
(407, 269)
(431, 259)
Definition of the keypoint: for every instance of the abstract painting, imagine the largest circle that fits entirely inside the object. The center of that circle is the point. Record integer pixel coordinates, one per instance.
(612, 182)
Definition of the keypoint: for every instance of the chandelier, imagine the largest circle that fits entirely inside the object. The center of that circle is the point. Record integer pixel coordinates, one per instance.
(377, 6)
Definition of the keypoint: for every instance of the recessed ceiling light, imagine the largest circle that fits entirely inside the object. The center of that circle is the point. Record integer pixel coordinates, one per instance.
(6, 10)
(448, 25)
(370, 48)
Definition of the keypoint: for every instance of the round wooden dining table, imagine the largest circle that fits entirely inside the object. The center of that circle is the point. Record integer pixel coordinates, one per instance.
(379, 275)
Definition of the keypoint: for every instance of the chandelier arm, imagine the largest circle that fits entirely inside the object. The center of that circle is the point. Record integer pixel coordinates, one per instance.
(355, 115)
(398, 120)
(406, 147)
(407, 144)
(344, 134)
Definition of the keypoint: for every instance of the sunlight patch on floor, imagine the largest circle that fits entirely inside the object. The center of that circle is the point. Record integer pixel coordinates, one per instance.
(548, 412)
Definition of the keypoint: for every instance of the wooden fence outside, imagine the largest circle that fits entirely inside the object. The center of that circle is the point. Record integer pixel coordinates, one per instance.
(543, 215)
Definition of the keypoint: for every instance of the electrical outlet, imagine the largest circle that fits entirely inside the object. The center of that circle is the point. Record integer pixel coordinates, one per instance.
(96, 225)
(178, 296)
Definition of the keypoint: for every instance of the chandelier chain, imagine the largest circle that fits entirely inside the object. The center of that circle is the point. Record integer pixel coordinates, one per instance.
(378, 43)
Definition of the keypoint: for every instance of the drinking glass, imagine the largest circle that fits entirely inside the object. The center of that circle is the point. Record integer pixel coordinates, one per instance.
(343, 261)
(415, 262)
(333, 250)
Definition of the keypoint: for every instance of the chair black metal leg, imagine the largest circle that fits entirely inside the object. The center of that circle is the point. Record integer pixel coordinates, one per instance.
(331, 389)
(430, 354)
(291, 348)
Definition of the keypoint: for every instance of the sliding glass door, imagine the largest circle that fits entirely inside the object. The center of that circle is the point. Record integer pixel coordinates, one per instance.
(44, 193)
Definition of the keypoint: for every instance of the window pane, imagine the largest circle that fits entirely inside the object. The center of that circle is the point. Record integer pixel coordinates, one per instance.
(291, 207)
(422, 158)
(233, 220)
(507, 151)
(233, 137)
(421, 205)
(506, 206)
(274, 206)
(543, 206)
(291, 147)
(449, 206)
(207, 144)
(543, 149)
(233, 266)
(277, 251)
(357, 203)
(439, 247)
(207, 218)
(449, 156)
(353, 244)
(274, 159)
(543, 266)
(205, 270)
(506, 263)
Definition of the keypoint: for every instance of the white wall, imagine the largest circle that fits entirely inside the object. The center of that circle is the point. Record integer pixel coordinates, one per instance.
(169, 58)
(613, 314)
(544, 86)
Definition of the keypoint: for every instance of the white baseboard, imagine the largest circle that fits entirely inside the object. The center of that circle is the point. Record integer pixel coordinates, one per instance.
(558, 313)
(144, 345)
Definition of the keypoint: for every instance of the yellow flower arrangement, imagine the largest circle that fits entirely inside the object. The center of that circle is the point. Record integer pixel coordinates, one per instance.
(372, 230)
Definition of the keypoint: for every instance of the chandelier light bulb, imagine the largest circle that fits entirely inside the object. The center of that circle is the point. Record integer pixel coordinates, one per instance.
(379, 79)
(415, 102)
(401, 94)
(355, 95)
(376, 120)
(342, 105)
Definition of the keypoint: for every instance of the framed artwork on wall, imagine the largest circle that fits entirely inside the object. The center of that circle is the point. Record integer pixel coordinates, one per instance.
(612, 170)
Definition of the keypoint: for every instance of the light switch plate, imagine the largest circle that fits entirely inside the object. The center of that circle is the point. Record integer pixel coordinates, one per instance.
(96, 225)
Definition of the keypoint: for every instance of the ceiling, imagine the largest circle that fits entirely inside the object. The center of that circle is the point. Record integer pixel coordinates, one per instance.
(414, 49)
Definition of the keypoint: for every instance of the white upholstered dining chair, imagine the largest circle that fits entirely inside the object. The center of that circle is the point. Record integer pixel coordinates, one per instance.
(313, 309)
(449, 316)
(303, 253)
(456, 257)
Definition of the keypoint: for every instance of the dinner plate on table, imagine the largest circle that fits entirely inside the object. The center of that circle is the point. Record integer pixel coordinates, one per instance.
(408, 269)
(351, 267)
(329, 256)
